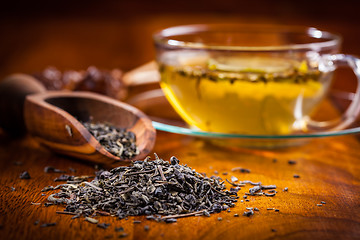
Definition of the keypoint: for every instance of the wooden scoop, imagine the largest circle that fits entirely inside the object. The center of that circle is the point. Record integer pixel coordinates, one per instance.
(53, 119)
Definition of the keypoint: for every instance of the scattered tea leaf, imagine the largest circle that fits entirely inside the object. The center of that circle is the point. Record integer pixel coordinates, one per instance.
(48, 188)
(69, 130)
(25, 175)
(292, 162)
(47, 204)
(240, 169)
(119, 229)
(123, 235)
(91, 220)
(66, 213)
(270, 194)
(64, 178)
(50, 169)
(234, 179)
(170, 220)
(103, 225)
(48, 224)
(248, 213)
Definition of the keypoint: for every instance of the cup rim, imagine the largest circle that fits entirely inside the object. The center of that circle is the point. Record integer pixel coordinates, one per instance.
(163, 37)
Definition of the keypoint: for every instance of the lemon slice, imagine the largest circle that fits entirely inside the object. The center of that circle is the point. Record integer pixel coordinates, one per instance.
(192, 59)
(251, 64)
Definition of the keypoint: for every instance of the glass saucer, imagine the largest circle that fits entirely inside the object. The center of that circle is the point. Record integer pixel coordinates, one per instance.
(154, 104)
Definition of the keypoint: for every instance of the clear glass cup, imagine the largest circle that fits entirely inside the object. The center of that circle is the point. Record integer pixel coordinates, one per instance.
(251, 79)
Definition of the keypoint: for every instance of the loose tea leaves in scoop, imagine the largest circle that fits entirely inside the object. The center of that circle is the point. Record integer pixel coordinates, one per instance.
(147, 187)
(117, 141)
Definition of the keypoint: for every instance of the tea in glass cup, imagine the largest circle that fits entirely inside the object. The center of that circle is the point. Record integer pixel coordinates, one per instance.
(248, 80)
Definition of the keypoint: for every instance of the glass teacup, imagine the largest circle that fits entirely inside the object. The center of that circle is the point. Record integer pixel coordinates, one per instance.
(257, 80)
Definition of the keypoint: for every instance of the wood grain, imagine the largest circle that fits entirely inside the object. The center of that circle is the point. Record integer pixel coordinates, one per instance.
(328, 170)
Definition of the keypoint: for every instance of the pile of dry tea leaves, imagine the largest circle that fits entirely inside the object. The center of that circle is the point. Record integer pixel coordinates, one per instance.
(165, 189)
(117, 141)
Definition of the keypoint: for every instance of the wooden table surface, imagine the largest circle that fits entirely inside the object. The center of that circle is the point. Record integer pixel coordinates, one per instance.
(329, 168)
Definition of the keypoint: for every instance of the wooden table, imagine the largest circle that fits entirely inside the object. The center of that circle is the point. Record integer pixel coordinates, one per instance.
(329, 168)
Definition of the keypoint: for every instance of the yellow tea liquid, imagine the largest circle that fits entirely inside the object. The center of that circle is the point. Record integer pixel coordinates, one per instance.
(244, 96)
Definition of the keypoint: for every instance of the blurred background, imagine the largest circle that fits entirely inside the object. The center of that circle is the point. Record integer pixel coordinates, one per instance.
(117, 34)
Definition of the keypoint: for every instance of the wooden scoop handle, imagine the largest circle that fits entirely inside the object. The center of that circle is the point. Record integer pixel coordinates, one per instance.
(13, 90)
